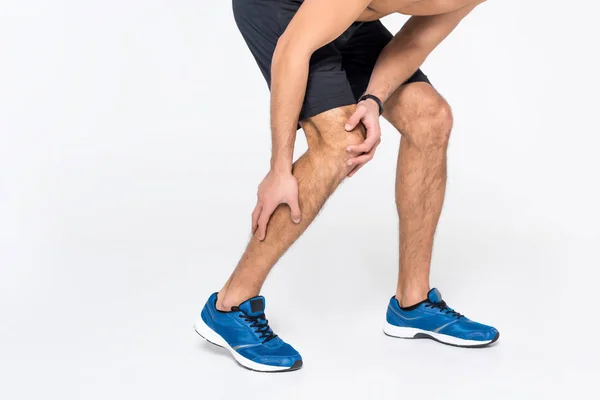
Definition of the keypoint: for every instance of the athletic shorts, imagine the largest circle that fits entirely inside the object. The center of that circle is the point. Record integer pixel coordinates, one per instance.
(338, 73)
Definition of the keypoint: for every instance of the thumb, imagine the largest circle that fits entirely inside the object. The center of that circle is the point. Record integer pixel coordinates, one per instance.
(295, 210)
(354, 119)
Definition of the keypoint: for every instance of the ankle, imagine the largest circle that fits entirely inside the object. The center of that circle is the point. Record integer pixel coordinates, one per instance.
(224, 303)
(228, 299)
(411, 296)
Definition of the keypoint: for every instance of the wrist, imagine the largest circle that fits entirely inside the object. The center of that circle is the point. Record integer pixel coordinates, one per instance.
(373, 99)
(281, 166)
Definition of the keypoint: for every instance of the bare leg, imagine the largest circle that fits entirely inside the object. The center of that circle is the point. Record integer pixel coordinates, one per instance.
(319, 171)
(425, 120)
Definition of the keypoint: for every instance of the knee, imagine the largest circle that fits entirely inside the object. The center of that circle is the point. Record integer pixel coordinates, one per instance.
(441, 121)
(429, 125)
(325, 132)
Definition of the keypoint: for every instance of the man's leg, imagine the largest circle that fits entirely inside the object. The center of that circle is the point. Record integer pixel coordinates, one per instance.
(319, 171)
(424, 119)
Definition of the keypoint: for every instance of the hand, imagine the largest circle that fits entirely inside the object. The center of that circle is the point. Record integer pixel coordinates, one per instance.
(366, 112)
(277, 188)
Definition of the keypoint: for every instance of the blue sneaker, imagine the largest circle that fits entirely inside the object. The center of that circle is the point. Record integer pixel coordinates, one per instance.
(433, 319)
(245, 332)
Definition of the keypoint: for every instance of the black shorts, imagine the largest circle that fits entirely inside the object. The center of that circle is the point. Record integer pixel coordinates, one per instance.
(339, 72)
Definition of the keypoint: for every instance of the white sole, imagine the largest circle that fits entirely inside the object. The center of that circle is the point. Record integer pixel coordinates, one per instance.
(415, 333)
(213, 337)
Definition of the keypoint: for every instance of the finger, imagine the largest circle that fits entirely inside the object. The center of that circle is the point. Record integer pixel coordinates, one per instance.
(372, 139)
(263, 220)
(373, 135)
(355, 170)
(355, 118)
(363, 158)
(295, 209)
(370, 154)
(360, 159)
(255, 215)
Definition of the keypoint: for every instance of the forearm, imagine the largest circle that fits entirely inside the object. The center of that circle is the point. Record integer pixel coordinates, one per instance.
(289, 75)
(396, 63)
(407, 51)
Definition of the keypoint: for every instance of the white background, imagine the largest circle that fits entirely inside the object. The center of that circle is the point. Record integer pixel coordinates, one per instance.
(133, 135)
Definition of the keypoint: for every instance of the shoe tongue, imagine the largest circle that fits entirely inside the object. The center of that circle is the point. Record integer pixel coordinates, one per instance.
(254, 306)
(434, 295)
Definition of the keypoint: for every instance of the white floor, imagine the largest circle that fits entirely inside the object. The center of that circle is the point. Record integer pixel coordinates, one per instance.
(87, 319)
(132, 138)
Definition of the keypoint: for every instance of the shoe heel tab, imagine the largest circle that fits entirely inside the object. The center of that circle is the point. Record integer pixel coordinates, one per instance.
(211, 302)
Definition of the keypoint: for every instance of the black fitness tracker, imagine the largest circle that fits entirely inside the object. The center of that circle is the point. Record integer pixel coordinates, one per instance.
(376, 99)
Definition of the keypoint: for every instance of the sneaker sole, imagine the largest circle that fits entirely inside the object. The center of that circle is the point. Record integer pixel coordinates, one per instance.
(213, 337)
(416, 333)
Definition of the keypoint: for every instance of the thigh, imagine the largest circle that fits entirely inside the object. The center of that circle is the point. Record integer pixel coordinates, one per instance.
(262, 22)
(360, 52)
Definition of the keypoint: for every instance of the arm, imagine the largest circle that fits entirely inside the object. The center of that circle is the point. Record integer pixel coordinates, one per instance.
(316, 23)
(410, 47)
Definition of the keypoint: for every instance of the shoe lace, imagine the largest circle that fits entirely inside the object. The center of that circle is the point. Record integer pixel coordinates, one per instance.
(260, 324)
(443, 307)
